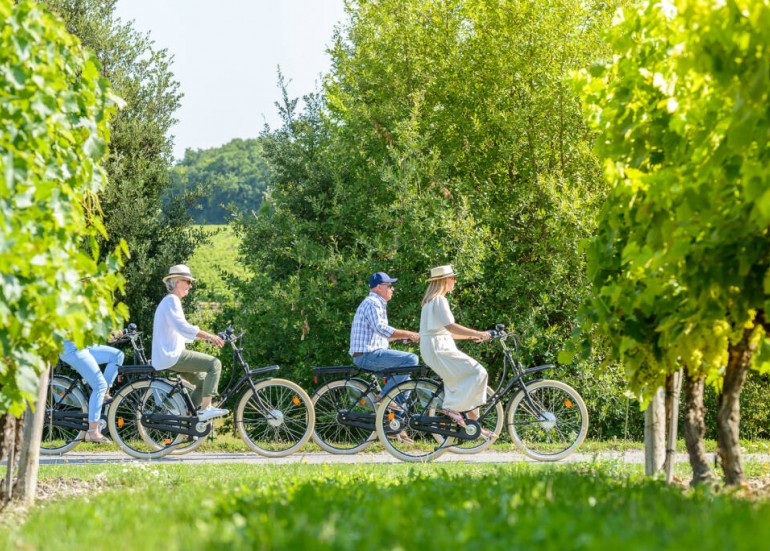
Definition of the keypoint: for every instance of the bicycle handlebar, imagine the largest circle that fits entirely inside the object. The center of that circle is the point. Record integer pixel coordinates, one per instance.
(128, 334)
(229, 335)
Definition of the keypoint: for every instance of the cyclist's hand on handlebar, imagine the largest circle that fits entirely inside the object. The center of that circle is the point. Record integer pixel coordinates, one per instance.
(216, 340)
(482, 336)
(115, 336)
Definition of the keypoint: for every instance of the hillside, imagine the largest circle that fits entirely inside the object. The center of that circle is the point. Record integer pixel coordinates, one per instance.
(212, 261)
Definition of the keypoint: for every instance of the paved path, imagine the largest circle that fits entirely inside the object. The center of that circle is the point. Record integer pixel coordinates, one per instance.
(77, 458)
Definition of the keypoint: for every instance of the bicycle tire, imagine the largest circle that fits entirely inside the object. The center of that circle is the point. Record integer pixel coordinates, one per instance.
(125, 414)
(410, 398)
(58, 440)
(343, 396)
(494, 421)
(553, 432)
(276, 418)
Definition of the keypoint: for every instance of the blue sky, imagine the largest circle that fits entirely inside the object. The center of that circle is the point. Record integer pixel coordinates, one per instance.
(226, 55)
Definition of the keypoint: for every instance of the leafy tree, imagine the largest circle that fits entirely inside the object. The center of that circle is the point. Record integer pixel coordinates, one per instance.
(233, 176)
(54, 109)
(680, 261)
(446, 133)
(140, 153)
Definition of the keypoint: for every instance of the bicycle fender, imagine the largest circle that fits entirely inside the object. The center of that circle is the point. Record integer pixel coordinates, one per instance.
(262, 370)
(538, 368)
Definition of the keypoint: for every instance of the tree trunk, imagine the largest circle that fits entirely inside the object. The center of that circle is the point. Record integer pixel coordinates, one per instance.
(29, 460)
(655, 434)
(694, 429)
(673, 390)
(11, 432)
(729, 417)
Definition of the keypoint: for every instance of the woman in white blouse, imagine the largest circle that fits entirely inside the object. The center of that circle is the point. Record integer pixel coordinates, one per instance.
(465, 380)
(170, 333)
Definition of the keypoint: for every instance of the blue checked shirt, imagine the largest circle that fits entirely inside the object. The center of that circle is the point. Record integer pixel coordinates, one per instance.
(370, 330)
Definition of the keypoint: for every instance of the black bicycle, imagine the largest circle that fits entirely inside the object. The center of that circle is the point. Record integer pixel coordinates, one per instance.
(66, 405)
(153, 417)
(345, 406)
(546, 419)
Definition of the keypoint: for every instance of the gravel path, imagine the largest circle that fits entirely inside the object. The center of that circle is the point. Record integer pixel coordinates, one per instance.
(76, 458)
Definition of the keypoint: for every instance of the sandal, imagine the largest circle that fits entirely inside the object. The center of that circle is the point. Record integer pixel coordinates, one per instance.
(401, 437)
(95, 437)
(455, 416)
(487, 434)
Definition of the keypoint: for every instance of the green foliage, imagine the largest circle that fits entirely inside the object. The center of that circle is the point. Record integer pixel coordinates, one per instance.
(220, 179)
(445, 134)
(468, 506)
(681, 259)
(214, 262)
(140, 152)
(54, 109)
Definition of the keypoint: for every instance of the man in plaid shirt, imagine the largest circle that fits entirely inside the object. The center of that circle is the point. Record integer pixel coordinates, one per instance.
(370, 333)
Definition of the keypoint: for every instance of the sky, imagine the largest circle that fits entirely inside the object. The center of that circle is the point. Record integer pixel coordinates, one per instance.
(226, 55)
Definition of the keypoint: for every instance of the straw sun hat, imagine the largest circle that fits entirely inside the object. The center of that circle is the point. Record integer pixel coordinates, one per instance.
(441, 272)
(179, 271)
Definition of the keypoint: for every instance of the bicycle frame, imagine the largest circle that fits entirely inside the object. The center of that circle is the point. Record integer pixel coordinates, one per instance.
(513, 384)
(180, 424)
(518, 374)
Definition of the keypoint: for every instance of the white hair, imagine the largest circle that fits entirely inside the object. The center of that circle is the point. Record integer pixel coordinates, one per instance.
(171, 284)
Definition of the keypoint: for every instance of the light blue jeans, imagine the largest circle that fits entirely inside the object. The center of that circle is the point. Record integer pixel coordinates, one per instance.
(380, 359)
(86, 363)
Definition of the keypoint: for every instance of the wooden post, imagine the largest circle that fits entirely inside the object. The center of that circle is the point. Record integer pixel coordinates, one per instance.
(29, 460)
(655, 434)
(672, 399)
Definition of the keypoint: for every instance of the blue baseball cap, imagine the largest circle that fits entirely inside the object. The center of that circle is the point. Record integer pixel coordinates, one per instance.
(380, 277)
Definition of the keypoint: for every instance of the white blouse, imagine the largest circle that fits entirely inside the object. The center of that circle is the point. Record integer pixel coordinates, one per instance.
(170, 332)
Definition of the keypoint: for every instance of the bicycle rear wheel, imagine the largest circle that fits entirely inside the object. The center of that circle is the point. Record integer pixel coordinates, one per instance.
(351, 399)
(276, 418)
(556, 425)
(125, 418)
(57, 439)
(415, 398)
(183, 443)
(493, 421)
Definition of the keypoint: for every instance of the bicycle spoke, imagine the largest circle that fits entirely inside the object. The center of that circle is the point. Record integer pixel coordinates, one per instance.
(276, 418)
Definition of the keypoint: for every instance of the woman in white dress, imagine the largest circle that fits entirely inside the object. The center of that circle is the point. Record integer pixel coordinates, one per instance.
(465, 380)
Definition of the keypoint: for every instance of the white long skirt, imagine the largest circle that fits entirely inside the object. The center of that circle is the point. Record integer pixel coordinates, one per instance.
(465, 379)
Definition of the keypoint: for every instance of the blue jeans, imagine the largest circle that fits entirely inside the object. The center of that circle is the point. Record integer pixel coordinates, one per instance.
(86, 363)
(380, 359)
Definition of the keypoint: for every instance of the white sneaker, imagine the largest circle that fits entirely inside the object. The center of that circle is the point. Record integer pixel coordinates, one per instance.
(211, 412)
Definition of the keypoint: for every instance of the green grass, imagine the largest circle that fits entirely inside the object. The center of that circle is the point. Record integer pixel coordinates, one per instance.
(358, 507)
(211, 260)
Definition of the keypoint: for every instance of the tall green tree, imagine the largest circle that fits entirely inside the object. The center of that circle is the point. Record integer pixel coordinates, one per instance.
(54, 109)
(220, 179)
(446, 133)
(140, 153)
(680, 264)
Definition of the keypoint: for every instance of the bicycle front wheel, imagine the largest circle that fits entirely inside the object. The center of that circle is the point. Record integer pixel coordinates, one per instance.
(349, 399)
(61, 401)
(276, 418)
(125, 418)
(410, 399)
(553, 425)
